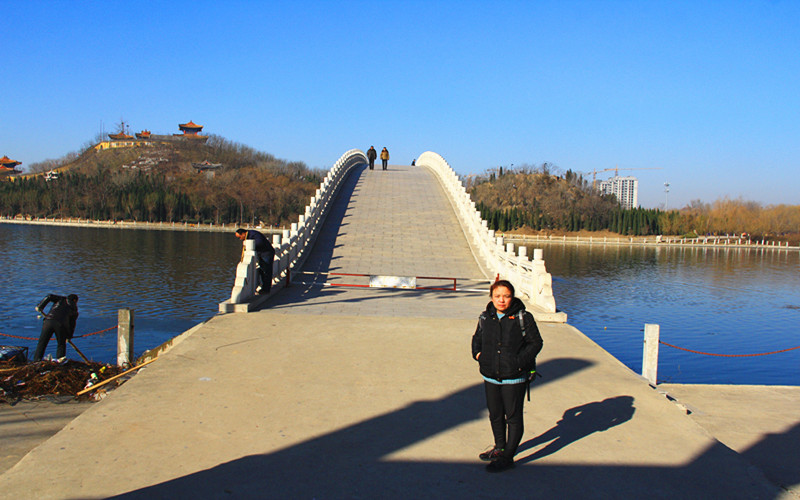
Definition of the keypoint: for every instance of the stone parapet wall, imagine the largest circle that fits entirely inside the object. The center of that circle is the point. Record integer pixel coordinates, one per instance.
(293, 245)
(530, 278)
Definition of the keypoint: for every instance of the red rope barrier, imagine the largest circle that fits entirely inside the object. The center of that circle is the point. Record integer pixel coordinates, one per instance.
(728, 355)
(17, 336)
(96, 333)
(78, 337)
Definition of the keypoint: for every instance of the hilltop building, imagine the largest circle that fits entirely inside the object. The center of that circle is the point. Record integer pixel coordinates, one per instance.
(626, 189)
(191, 131)
(121, 136)
(7, 166)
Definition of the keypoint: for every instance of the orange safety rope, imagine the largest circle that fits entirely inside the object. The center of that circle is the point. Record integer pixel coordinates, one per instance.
(17, 336)
(728, 355)
(78, 337)
(96, 333)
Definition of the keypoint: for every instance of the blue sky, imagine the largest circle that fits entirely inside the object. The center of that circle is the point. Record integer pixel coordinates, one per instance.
(709, 92)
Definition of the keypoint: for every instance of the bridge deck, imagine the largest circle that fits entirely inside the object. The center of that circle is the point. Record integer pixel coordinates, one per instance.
(340, 393)
(395, 223)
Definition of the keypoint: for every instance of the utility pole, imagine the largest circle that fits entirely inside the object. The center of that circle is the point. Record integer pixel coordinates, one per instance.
(666, 195)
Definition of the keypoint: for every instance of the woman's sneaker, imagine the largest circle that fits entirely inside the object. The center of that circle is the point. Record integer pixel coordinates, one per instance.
(493, 454)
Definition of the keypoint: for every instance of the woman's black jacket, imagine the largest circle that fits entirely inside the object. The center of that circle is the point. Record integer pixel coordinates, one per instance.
(505, 352)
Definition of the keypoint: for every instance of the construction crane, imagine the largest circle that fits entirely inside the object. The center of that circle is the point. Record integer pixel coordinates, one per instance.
(616, 172)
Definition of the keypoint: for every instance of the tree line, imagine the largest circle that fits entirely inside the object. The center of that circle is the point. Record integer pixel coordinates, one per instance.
(250, 187)
(538, 199)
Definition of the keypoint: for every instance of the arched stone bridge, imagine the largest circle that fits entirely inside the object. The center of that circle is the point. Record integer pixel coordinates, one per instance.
(406, 228)
(359, 392)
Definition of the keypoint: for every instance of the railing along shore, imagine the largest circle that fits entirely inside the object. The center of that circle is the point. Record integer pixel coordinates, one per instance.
(705, 241)
(654, 241)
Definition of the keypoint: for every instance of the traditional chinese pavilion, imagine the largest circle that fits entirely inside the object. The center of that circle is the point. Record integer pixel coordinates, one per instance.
(7, 165)
(120, 136)
(190, 128)
(144, 134)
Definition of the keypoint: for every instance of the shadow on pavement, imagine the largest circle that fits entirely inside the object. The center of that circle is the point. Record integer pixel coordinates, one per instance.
(359, 461)
(777, 455)
(354, 461)
(579, 422)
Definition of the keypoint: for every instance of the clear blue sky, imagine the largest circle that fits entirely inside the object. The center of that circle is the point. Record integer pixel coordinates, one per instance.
(707, 91)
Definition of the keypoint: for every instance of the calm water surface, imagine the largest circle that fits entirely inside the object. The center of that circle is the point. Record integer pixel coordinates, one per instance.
(727, 301)
(720, 301)
(172, 280)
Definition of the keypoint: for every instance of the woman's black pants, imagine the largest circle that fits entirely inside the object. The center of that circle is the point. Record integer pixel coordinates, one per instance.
(505, 414)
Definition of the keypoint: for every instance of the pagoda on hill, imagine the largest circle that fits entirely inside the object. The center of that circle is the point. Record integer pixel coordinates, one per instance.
(191, 130)
(7, 166)
(121, 136)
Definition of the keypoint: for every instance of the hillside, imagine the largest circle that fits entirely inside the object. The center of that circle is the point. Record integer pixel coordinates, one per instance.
(535, 199)
(160, 182)
(538, 200)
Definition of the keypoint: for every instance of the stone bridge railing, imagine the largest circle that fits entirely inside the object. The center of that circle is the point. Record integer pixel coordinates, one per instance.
(294, 244)
(530, 278)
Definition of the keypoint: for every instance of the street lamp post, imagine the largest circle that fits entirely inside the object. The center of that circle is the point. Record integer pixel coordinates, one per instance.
(666, 195)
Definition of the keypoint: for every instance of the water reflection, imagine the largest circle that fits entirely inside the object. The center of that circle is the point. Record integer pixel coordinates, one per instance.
(712, 300)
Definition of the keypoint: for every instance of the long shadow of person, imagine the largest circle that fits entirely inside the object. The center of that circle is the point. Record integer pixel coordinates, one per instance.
(579, 422)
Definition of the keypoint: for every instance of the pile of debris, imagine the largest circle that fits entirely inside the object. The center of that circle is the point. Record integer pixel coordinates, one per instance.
(65, 377)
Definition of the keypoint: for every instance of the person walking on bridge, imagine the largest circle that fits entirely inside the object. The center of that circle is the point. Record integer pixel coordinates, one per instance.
(371, 155)
(505, 344)
(265, 253)
(60, 320)
(385, 158)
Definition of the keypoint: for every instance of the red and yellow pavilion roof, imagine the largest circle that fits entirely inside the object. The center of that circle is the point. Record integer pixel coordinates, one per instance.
(8, 163)
(190, 127)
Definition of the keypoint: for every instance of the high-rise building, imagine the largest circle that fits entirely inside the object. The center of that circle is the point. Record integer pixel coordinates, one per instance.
(626, 189)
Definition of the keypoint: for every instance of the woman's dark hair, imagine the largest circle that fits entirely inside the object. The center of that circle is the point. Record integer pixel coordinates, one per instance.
(504, 283)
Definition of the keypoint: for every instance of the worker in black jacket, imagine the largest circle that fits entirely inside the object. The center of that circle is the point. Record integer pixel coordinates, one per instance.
(265, 253)
(505, 344)
(60, 320)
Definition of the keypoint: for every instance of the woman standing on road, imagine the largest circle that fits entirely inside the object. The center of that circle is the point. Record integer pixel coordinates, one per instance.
(505, 344)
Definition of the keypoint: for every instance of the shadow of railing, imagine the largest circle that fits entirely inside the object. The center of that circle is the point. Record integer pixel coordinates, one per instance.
(361, 461)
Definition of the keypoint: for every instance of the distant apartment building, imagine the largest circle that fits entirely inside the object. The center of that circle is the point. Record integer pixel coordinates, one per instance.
(626, 189)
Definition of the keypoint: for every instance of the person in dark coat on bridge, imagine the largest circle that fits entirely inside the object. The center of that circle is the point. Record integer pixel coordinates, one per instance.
(60, 320)
(385, 157)
(505, 344)
(265, 254)
(371, 155)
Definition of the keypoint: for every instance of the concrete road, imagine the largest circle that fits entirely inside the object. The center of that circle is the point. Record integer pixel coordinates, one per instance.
(334, 392)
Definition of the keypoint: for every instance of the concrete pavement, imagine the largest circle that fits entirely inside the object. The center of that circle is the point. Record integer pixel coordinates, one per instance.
(334, 392)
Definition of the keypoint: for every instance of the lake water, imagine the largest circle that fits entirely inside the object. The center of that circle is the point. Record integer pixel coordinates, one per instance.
(713, 300)
(721, 300)
(172, 280)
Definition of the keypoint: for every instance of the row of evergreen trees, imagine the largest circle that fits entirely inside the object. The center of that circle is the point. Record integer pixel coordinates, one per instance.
(634, 222)
(140, 197)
